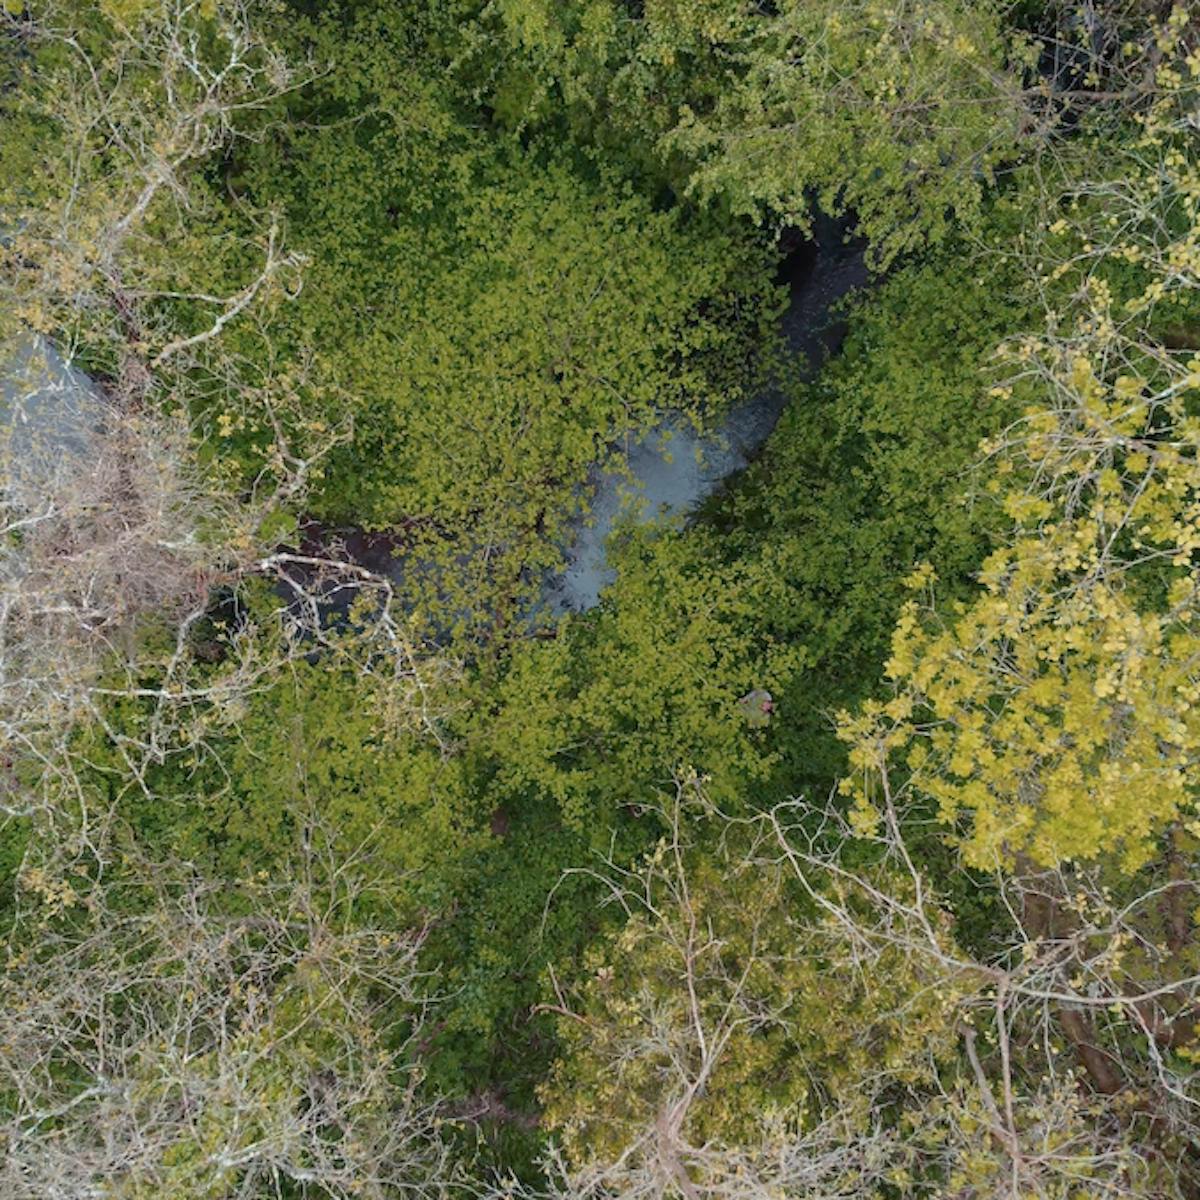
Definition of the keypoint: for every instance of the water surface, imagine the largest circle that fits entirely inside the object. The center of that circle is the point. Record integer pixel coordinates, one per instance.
(673, 468)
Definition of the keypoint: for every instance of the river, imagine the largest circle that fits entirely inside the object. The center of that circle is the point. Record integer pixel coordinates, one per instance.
(49, 406)
(673, 468)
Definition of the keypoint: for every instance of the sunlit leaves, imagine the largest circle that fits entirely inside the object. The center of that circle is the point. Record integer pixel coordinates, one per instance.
(1054, 716)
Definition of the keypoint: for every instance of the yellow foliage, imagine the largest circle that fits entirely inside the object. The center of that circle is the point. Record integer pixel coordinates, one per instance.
(1056, 713)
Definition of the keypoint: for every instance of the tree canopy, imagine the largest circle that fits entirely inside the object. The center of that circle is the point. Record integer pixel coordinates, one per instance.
(841, 842)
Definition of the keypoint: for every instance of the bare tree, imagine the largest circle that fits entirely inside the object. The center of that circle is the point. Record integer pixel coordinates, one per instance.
(112, 566)
(1069, 1025)
(132, 573)
(725, 1044)
(1046, 1065)
(166, 1035)
(126, 108)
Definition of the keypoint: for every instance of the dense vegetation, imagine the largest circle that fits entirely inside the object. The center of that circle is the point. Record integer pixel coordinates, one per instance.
(849, 847)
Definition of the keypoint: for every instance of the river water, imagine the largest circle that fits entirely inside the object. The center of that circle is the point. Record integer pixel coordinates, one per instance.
(47, 406)
(48, 409)
(673, 468)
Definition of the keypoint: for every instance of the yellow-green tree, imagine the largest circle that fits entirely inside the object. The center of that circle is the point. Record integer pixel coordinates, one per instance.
(1052, 717)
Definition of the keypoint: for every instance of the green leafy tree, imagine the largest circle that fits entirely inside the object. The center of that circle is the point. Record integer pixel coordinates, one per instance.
(595, 718)
(897, 113)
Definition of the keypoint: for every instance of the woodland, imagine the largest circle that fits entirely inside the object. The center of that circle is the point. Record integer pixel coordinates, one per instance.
(844, 844)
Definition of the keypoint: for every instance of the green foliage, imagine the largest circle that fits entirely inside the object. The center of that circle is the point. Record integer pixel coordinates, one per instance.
(624, 699)
(897, 113)
(483, 246)
(791, 585)
(489, 320)
(510, 915)
(314, 749)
